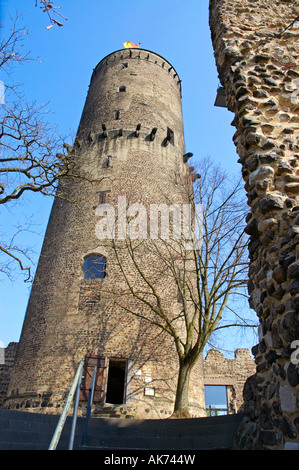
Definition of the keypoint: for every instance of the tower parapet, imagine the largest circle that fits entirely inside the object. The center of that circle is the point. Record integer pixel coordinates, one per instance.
(134, 87)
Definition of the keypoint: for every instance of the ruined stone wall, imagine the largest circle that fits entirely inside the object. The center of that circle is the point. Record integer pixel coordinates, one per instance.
(256, 51)
(233, 373)
(7, 358)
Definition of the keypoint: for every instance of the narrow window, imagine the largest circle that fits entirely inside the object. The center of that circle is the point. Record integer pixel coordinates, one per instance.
(121, 89)
(109, 161)
(116, 383)
(94, 267)
(116, 115)
(103, 196)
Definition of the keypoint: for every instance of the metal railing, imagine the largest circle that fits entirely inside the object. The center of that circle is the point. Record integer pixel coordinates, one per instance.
(215, 411)
(89, 404)
(74, 390)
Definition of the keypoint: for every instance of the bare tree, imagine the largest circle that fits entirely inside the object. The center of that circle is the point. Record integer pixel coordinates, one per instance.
(199, 280)
(51, 10)
(33, 158)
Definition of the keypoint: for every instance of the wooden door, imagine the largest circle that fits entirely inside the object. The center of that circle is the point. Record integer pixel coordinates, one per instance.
(100, 382)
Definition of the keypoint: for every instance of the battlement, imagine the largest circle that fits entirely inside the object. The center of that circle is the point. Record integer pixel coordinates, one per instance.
(138, 55)
(231, 373)
(134, 89)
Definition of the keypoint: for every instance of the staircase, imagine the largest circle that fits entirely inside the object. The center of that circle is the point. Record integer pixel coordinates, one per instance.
(31, 431)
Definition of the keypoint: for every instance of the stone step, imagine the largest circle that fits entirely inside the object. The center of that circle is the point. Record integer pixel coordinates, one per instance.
(172, 428)
(207, 441)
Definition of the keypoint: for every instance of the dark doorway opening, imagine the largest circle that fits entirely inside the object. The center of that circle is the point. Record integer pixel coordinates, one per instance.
(116, 382)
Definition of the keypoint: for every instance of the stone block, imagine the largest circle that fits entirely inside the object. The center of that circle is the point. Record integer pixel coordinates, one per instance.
(271, 202)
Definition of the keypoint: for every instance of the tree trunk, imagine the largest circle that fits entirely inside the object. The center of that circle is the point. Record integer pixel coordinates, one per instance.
(181, 406)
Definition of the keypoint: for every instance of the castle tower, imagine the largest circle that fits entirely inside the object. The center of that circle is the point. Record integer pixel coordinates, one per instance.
(130, 147)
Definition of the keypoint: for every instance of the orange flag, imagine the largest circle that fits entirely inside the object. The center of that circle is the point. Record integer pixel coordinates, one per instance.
(130, 45)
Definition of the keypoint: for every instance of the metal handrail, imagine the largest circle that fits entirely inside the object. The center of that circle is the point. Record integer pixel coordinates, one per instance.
(59, 427)
(75, 414)
(211, 409)
(89, 403)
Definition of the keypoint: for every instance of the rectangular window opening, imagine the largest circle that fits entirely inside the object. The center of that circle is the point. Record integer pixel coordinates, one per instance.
(216, 402)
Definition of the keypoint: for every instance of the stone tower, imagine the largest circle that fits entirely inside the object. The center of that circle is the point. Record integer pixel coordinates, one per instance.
(130, 147)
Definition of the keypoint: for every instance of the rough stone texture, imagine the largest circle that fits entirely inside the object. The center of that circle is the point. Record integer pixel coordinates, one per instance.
(256, 51)
(218, 370)
(69, 317)
(7, 361)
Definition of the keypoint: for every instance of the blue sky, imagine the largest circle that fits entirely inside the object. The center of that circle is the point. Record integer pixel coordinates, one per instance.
(176, 29)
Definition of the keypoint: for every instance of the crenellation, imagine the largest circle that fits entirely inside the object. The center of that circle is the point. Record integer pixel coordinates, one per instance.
(233, 373)
(7, 358)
